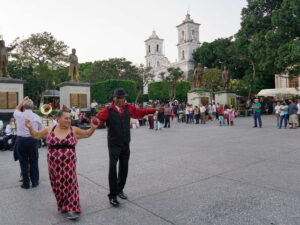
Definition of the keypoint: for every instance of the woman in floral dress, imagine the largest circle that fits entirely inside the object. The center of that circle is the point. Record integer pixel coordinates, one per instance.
(61, 157)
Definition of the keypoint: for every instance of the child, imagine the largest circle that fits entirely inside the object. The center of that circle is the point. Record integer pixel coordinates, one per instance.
(156, 123)
(226, 114)
(221, 115)
(231, 116)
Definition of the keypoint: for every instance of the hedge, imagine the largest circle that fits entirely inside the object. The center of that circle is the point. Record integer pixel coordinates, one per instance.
(102, 91)
(159, 91)
(143, 98)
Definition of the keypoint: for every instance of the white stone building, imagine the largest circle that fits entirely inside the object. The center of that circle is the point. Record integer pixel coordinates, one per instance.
(188, 42)
(284, 81)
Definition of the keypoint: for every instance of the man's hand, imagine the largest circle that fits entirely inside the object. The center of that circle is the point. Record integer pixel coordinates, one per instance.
(159, 108)
(28, 124)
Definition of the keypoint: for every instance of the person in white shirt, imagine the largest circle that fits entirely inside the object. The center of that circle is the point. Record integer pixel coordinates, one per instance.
(277, 113)
(27, 146)
(214, 111)
(187, 114)
(75, 115)
(10, 134)
(94, 105)
(298, 112)
(209, 109)
(202, 113)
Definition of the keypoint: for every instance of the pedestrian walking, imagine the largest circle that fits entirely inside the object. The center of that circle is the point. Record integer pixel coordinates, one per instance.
(284, 113)
(117, 117)
(256, 107)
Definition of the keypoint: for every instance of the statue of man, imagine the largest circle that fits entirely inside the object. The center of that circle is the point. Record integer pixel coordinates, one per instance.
(4, 57)
(198, 73)
(226, 78)
(73, 69)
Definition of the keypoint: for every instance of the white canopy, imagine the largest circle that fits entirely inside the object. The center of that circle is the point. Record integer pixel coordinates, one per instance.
(279, 91)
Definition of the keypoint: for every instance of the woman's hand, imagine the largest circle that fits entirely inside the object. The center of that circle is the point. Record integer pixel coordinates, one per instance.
(28, 124)
(95, 123)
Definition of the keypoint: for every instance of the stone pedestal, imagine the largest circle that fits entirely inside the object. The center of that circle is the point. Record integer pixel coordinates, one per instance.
(11, 94)
(226, 98)
(75, 93)
(198, 98)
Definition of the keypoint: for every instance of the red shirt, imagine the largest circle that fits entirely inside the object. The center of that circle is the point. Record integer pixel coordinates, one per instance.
(134, 112)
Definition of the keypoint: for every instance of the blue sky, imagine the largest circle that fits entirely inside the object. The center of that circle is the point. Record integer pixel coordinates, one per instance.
(102, 29)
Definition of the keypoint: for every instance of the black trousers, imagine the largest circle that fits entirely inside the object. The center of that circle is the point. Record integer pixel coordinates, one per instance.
(28, 154)
(167, 121)
(6, 146)
(93, 111)
(116, 180)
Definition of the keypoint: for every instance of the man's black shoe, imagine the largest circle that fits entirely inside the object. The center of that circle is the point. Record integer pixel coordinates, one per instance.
(114, 202)
(35, 185)
(24, 186)
(122, 195)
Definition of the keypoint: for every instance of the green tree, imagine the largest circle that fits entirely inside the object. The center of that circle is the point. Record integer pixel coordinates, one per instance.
(158, 91)
(268, 37)
(212, 80)
(147, 77)
(116, 68)
(170, 81)
(45, 54)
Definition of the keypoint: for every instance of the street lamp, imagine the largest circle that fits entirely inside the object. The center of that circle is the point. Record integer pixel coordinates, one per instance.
(53, 90)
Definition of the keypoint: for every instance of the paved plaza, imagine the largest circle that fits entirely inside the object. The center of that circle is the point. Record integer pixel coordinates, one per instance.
(188, 174)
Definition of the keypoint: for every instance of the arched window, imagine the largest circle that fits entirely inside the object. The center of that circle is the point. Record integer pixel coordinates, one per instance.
(149, 49)
(182, 35)
(149, 64)
(157, 63)
(157, 48)
(182, 54)
(193, 34)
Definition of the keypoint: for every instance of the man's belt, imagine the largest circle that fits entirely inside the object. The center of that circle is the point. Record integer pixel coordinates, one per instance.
(21, 137)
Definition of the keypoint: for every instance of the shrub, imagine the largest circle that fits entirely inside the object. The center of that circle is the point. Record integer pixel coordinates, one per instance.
(102, 91)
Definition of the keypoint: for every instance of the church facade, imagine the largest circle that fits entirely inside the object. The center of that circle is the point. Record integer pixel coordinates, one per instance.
(188, 42)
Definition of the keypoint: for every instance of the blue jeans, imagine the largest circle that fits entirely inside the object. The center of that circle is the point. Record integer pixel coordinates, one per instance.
(256, 116)
(278, 120)
(285, 118)
(221, 120)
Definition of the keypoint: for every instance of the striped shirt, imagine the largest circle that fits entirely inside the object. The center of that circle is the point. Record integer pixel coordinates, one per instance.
(20, 117)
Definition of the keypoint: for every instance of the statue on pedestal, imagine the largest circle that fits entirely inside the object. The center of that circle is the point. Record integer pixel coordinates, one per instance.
(226, 78)
(73, 69)
(4, 57)
(198, 73)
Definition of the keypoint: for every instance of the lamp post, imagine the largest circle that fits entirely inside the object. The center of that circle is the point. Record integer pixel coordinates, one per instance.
(53, 90)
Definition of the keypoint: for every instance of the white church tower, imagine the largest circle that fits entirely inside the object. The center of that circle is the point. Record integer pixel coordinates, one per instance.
(154, 51)
(188, 42)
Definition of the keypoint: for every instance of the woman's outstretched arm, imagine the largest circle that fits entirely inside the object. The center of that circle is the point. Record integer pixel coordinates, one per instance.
(42, 134)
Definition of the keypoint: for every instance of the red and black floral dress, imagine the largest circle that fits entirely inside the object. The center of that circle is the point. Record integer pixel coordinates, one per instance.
(61, 157)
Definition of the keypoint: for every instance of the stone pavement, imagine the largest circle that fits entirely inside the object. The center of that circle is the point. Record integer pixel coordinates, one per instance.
(188, 174)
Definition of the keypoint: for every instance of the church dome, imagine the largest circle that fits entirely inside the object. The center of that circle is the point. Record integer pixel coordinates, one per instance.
(154, 35)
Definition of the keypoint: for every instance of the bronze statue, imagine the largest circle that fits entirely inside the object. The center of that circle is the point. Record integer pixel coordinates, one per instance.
(226, 77)
(198, 73)
(4, 57)
(73, 69)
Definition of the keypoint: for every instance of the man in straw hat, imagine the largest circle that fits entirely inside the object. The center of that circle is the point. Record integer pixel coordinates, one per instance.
(117, 117)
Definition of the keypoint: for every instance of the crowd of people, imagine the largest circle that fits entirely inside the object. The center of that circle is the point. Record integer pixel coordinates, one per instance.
(61, 138)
